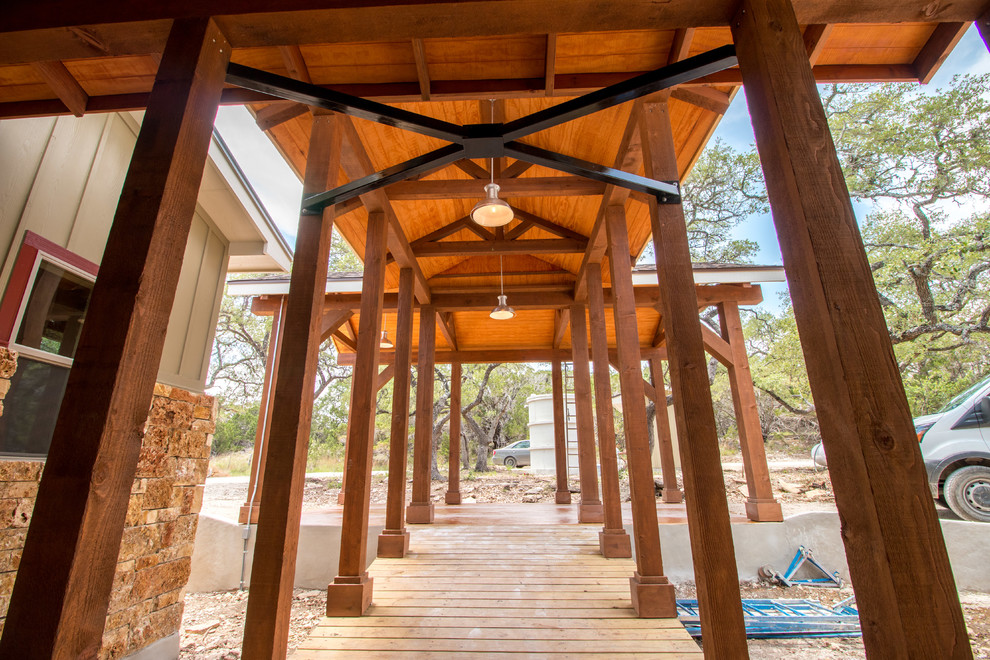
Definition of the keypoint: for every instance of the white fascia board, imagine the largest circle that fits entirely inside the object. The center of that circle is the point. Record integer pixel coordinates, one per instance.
(742, 275)
(280, 287)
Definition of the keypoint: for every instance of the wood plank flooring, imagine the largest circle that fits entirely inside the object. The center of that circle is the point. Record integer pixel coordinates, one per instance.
(478, 591)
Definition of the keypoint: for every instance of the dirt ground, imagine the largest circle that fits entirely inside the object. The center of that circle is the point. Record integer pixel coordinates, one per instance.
(213, 623)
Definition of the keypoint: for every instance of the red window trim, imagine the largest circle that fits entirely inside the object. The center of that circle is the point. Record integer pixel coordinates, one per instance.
(20, 277)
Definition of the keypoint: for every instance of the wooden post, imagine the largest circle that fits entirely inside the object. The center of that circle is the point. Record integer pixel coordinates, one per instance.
(394, 539)
(701, 464)
(613, 539)
(249, 510)
(266, 629)
(760, 504)
(652, 594)
(420, 509)
(59, 602)
(590, 509)
(350, 592)
(983, 25)
(671, 493)
(905, 591)
(453, 495)
(563, 494)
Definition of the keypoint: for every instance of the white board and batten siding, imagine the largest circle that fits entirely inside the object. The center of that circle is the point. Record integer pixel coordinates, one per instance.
(61, 179)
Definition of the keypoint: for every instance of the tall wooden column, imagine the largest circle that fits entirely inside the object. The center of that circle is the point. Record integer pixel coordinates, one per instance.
(613, 539)
(420, 509)
(59, 602)
(652, 594)
(350, 592)
(983, 25)
(453, 495)
(249, 510)
(394, 539)
(266, 629)
(665, 443)
(590, 509)
(563, 494)
(905, 590)
(708, 512)
(760, 504)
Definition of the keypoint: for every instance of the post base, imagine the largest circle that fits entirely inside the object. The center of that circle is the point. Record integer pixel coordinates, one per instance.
(452, 498)
(591, 513)
(248, 514)
(419, 514)
(340, 497)
(349, 596)
(653, 597)
(672, 496)
(563, 497)
(764, 510)
(614, 544)
(393, 545)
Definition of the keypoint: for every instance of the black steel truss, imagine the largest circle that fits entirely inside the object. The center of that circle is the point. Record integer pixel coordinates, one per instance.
(487, 140)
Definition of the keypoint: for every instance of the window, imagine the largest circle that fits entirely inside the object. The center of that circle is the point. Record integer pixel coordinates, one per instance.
(41, 317)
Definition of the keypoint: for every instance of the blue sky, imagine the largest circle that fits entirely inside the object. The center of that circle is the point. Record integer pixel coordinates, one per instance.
(280, 189)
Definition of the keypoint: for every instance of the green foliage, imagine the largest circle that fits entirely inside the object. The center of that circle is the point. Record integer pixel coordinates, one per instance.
(236, 430)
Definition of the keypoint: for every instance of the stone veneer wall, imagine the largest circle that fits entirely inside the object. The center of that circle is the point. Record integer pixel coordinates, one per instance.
(157, 545)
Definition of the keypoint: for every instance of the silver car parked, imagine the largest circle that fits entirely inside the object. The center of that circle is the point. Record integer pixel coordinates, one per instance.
(516, 454)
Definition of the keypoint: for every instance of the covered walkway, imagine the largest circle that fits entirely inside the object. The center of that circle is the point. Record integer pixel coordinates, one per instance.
(500, 589)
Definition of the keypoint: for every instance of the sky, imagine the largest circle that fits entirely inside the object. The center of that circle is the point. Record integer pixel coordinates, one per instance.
(280, 190)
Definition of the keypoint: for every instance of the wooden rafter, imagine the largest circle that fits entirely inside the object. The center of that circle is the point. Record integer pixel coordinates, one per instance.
(65, 86)
(550, 63)
(707, 98)
(332, 320)
(515, 169)
(277, 114)
(939, 45)
(422, 69)
(716, 346)
(561, 320)
(548, 225)
(295, 63)
(445, 323)
(472, 169)
(680, 47)
(659, 335)
(357, 163)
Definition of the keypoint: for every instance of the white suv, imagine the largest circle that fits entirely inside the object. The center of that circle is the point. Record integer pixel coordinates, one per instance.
(955, 443)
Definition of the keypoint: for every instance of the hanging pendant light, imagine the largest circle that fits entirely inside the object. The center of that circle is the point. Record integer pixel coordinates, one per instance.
(502, 310)
(492, 211)
(385, 342)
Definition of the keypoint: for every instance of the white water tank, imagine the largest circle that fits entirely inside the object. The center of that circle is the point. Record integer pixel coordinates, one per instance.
(542, 456)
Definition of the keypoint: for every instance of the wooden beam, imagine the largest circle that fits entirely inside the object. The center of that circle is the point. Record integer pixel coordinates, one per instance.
(550, 63)
(60, 598)
(665, 445)
(277, 114)
(453, 276)
(65, 86)
(937, 48)
(629, 159)
(548, 225)
(866, 424)
(267, 622)
(357, 163)
(341, 335)
(707, 98)
(760, 503)
(445, 322)
(472, 169)
(515, 169)
(815, 37)
(422, 69)
(351, 590)
(332, 320)
(652, 594)
(394, 539)
(590, 510)
(453, 494)
(546, 186)
(716, 346)
(295, 63)
(562, 319)
(659, 337)
(443, 232)
(613, 541)
(708, 512)
(496, 247)
(420, 509)
(520, 229)
(680, 47)
(561, 460)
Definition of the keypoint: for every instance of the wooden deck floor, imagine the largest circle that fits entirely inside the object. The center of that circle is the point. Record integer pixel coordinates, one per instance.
(496, 591)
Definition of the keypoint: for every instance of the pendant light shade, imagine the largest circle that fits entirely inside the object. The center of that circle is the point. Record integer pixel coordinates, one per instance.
(385, 341)
(492, 211)
(502, 311)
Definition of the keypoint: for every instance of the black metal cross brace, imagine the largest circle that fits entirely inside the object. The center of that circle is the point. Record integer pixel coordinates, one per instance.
(487, 140)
